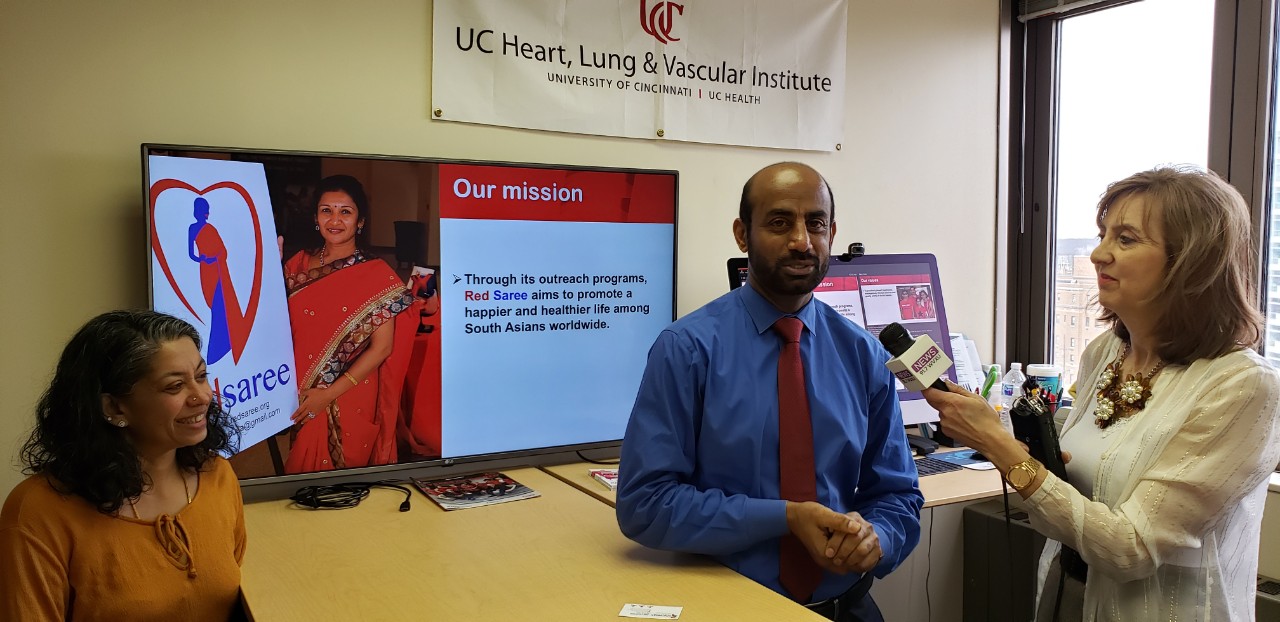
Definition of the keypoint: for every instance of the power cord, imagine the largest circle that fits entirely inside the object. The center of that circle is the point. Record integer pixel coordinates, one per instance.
(592, 461)
(928, 598)
(1008, 523)
(343, 496)
(1008, 540)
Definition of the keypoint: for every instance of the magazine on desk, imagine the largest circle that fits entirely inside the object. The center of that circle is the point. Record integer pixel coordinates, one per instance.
(608, 477)
(471, 491)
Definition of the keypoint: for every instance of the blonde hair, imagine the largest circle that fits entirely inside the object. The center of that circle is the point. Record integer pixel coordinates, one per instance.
(1208, 298)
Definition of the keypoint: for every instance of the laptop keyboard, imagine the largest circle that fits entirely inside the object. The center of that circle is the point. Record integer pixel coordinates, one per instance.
(933, 466)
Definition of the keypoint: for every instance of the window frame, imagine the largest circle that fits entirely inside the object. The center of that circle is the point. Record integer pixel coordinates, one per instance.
(1240, 149)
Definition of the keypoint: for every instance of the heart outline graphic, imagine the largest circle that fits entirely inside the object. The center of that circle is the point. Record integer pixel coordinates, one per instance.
(255, 291)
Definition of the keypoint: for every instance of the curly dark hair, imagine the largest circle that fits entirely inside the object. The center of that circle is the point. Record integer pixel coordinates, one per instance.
(74, 444)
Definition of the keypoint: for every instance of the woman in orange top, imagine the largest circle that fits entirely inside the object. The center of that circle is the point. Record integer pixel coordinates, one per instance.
(129, 513)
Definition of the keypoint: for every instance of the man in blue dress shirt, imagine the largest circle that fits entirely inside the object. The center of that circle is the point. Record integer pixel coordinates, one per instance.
(700, 466)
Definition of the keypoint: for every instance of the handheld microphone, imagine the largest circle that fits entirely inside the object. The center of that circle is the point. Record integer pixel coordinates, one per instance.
(918, 363)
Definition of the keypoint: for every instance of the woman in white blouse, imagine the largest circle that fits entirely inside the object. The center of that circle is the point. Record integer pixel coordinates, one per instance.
(1175, 427)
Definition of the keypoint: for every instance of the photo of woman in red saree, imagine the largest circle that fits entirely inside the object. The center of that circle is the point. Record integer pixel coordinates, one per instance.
(352, 340)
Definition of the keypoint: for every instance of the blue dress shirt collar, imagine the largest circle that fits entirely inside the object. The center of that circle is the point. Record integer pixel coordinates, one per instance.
(764, 314)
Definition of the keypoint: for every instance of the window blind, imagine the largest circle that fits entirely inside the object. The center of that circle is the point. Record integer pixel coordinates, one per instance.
(1031, 9)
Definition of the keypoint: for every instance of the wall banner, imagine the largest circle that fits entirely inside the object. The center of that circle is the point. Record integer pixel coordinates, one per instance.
(759, 73)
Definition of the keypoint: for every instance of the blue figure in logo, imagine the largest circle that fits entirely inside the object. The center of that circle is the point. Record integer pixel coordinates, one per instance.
(228, 330)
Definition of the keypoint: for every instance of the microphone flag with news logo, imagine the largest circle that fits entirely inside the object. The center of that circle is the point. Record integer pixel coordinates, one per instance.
(918, 363)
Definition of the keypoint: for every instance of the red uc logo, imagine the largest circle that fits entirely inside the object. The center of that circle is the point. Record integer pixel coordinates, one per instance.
(658, 20)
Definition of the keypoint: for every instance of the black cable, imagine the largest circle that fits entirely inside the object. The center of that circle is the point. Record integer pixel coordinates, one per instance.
(1008, 524)
(928, 598)
(1057, 600)
(1008, 541)
(586, 459)
(343, 496)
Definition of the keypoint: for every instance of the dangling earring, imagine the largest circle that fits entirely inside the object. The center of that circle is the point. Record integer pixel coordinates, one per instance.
(317, 226)
(119, 423)
(359, 230)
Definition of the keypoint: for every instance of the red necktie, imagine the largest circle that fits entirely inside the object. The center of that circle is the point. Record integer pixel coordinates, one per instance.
(797, 571)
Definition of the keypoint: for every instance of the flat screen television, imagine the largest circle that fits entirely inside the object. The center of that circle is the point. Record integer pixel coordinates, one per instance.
(426, 311)
(874, 291)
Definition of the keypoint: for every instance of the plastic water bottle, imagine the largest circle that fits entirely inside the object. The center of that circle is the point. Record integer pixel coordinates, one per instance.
(995, 397)
(1010, 391)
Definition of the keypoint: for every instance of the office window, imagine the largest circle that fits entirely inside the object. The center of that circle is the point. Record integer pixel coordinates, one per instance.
(1271, 337)
(1107, 89)
(1133, 93)
(1073, 344)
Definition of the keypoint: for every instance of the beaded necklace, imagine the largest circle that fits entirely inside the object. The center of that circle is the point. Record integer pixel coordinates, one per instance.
(1118, 400)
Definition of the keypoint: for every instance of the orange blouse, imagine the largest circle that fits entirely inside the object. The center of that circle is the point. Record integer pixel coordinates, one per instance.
(65, 560)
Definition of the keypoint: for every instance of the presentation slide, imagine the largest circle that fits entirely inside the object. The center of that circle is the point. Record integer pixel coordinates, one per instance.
(557, 281)
(420, 310)
(874, 291)
(901, 298)
(214, 263)
(844, 295)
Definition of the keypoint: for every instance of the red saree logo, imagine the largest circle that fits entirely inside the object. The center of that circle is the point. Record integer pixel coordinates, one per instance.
(659, 20)
(227, 324)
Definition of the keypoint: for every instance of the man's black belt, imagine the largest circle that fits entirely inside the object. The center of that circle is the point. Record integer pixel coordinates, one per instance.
(831, 608)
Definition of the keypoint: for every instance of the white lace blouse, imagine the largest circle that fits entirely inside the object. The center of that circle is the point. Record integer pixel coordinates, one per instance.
(1171, 531)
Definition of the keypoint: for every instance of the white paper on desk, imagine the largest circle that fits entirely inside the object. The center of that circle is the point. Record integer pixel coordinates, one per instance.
(979, 371)
(979, 466)
(650, 612)
(968, 368)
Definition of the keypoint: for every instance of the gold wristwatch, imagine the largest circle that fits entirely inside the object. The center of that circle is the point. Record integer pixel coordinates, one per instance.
(1022, 474)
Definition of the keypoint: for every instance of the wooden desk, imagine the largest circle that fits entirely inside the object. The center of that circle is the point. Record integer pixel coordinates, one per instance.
(559, 557)
(937, 564)
(940, 489)
(959, 486)
(576, 474)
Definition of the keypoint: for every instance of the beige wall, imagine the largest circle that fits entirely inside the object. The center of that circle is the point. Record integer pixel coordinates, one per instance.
(82, 84)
